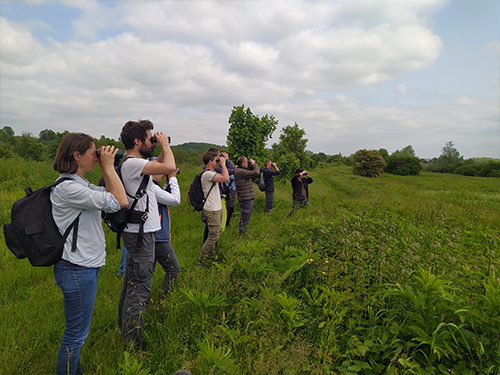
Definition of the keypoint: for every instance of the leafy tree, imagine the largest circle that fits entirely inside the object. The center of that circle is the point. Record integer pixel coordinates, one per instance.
(180, 155)
(7, 135)
(403, 165)
(5, 150)
(320, 157)
(287, 163)
(403, 162)
(368, 163)
(449, 155)
(8, 130)
(407, 151)
(291, 141)
(28, 147)
(248, 133)
(47, 136)
(52, 149)
(384, 153)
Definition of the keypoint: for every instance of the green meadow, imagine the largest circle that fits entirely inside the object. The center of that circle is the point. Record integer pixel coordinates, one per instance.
(392, 275)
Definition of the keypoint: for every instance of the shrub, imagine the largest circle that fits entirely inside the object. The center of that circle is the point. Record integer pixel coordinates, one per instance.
(368, 163)
(403, 165)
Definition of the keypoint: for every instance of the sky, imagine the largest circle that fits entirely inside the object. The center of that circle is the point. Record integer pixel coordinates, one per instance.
(354, 74)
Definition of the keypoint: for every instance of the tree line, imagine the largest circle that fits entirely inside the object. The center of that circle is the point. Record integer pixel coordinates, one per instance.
(247, 136)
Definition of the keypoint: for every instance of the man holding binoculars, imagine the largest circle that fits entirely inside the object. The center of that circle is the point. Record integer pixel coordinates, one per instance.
(139, 238)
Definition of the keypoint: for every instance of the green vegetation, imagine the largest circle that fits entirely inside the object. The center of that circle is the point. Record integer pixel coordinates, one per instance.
(248, 133)
(368, 163)
(394, 275)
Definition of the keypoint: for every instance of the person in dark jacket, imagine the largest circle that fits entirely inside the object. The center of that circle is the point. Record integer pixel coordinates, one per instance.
(269, 181)
(300, 185)
(245, 171)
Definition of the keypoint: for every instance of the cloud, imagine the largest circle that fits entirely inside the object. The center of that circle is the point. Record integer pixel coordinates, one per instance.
(185, 65)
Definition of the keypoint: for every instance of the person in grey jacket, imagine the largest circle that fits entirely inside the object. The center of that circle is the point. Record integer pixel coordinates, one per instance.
(246, 169)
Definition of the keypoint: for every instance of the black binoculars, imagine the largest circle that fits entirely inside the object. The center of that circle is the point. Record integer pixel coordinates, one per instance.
(118, 156)
(153, 140)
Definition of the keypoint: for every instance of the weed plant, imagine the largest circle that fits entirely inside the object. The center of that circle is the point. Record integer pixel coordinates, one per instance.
(394, 275)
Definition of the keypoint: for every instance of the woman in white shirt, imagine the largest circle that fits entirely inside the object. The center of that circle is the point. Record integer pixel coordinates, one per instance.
(77, 272)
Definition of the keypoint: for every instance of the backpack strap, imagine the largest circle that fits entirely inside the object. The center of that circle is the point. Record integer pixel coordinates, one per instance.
(75, 222)
(211, 187)
(141, 191)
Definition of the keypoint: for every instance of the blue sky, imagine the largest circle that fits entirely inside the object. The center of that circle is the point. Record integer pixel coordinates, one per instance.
(364, 74)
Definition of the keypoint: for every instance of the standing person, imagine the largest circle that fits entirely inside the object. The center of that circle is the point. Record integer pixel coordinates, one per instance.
(223, 189)
(212, 210)
(269, 181)
(230, 198)
(300, 185)
(245, 171)
(139, 238)
(169, 195)
(77, 272)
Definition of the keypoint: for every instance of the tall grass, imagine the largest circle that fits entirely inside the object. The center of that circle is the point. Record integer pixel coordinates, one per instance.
(395, 275)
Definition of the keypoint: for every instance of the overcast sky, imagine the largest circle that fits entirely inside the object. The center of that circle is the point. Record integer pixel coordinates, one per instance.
(354, 74)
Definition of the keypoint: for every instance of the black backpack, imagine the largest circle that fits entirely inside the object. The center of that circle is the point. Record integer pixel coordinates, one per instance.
(33, 233)
(195, 193)
(117, 221)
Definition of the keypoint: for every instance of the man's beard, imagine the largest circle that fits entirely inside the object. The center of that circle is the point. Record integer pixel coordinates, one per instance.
(147, 153)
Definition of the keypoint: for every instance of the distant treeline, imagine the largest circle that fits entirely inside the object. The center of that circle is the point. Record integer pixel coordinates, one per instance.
(402, 162)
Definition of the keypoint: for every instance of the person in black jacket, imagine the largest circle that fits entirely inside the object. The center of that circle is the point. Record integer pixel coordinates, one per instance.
(300, 185)
(269, 181)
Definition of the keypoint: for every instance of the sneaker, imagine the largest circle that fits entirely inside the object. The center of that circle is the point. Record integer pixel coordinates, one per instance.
(182, 372)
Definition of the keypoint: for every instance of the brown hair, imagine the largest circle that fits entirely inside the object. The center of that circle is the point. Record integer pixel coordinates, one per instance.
(209, 155)
(240, 161)
(133, 130)
(64, 161)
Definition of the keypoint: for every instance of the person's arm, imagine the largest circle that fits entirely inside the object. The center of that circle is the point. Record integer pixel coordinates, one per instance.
(224, 175)
(111, 179)
(165, 164)
(229, 164)
(276, 167)
(255, 170)
(165, 198)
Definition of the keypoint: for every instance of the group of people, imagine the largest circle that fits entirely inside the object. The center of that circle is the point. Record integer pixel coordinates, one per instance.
(146, 240)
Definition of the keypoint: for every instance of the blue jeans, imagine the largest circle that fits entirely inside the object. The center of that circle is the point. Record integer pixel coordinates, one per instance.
(78, 285)
(123, 262)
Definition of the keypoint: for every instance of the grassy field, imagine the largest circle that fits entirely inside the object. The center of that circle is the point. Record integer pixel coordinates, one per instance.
(395, 275)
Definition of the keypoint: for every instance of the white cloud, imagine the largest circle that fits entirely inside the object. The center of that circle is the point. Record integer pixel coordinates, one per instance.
(185, 65)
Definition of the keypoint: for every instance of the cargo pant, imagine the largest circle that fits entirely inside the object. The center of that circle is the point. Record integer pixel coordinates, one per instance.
(136, 287)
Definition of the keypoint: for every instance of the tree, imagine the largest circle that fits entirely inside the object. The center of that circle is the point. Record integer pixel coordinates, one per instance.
(47, 136)
(8, 130)
(403, 162)
(28, 147)
(248, 134)
(291, 141)
(368, 163)
(407, 151)
(403, 165)
(449, 155)
(384, 153)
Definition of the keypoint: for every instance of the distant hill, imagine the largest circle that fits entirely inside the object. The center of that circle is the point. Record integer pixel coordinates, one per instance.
(196, 147)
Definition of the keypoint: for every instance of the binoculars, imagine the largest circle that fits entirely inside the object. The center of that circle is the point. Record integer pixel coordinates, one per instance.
(153, 140)
(118, 156)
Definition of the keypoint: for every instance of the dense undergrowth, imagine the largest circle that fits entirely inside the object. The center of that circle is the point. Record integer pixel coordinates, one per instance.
(395, 275)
